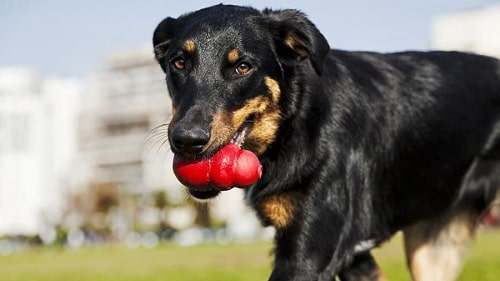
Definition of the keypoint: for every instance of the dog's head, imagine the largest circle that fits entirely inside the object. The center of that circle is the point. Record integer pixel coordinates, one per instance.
(226, 70)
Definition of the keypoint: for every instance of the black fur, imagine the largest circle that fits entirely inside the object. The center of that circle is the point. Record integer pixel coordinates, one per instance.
(370, 142)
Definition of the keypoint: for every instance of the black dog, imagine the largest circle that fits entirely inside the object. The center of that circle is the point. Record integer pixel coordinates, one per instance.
(355, 146)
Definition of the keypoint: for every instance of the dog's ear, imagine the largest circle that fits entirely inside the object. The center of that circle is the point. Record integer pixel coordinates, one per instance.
(162, 36)
(297, 37)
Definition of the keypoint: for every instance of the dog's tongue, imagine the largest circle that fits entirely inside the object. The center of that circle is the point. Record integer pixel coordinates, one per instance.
(230, 167)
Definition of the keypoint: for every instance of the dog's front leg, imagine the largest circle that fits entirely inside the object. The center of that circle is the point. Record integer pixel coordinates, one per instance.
(297, 259)
(362, 268)
(305, 248)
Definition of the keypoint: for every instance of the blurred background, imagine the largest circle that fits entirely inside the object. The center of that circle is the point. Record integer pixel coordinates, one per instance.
(84, 158)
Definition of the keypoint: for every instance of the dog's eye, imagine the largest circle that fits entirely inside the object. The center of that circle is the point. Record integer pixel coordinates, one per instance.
(243, 68)
(179, 63)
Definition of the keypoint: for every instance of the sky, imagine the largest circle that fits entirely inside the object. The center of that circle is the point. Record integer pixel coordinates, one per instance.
(70, 38)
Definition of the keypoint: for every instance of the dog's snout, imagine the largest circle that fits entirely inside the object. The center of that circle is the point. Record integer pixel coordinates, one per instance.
(190, 140)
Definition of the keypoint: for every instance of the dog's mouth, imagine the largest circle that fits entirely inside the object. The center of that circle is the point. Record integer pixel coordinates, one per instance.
(230, 166)
(203, 194)
(241, 133)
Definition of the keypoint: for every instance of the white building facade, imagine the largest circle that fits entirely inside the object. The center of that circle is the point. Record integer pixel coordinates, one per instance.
(476, 30)
(37, 148)
(122, 106)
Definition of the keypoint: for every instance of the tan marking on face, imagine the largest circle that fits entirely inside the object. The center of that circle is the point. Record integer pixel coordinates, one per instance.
(263, 132)
(274, 88)
(233, 56)
(172, 119)
(221, 129)
(189, 46)
(280, 209)
(265, 123)
(254, 106)
(266, 116)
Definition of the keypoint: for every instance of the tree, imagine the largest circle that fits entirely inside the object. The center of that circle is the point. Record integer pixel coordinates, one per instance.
(161, 203)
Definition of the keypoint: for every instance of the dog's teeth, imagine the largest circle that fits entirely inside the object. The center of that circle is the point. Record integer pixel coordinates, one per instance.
(239, 138)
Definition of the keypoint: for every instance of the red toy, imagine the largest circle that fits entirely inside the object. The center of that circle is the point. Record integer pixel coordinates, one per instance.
(230, 167)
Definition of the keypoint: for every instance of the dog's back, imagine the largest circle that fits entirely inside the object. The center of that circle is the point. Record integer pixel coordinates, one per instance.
(428, 117)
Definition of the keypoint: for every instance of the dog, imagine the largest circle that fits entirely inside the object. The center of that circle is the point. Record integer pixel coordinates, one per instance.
(355, 146)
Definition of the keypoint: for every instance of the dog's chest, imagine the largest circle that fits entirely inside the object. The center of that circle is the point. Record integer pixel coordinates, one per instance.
(279, 209)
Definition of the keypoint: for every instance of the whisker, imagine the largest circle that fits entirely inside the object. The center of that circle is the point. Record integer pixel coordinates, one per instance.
(162, 127)
(159, 127)
(158, 142)
(153, 136)
(163, 143)
(157, 137)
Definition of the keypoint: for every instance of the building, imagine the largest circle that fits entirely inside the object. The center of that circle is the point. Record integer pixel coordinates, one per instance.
(122, 105)
(476, 30)
(37, 148)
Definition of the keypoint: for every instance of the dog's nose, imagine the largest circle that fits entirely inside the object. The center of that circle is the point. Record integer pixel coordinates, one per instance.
(191, 140)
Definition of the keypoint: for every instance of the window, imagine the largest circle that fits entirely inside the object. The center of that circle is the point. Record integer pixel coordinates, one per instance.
(126, 127)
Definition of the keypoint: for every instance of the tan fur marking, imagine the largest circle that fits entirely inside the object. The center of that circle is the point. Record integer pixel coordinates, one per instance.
(233, 56)
(225, 125)
(254, 106)
(222, 130)
(274, 88)
(174, 111)
(293, 42)
(263, 132)
(436, 254)
(265, 126)
(266, 114)
(280, 209)
(381, 276)
(189, 46)
(172, 120)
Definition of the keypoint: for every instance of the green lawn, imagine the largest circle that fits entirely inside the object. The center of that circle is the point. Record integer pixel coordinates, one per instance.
(235, 262)
(482, 262)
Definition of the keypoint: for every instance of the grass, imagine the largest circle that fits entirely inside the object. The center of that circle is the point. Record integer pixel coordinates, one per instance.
(236, 262)
(239, 262)
(482, 262)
